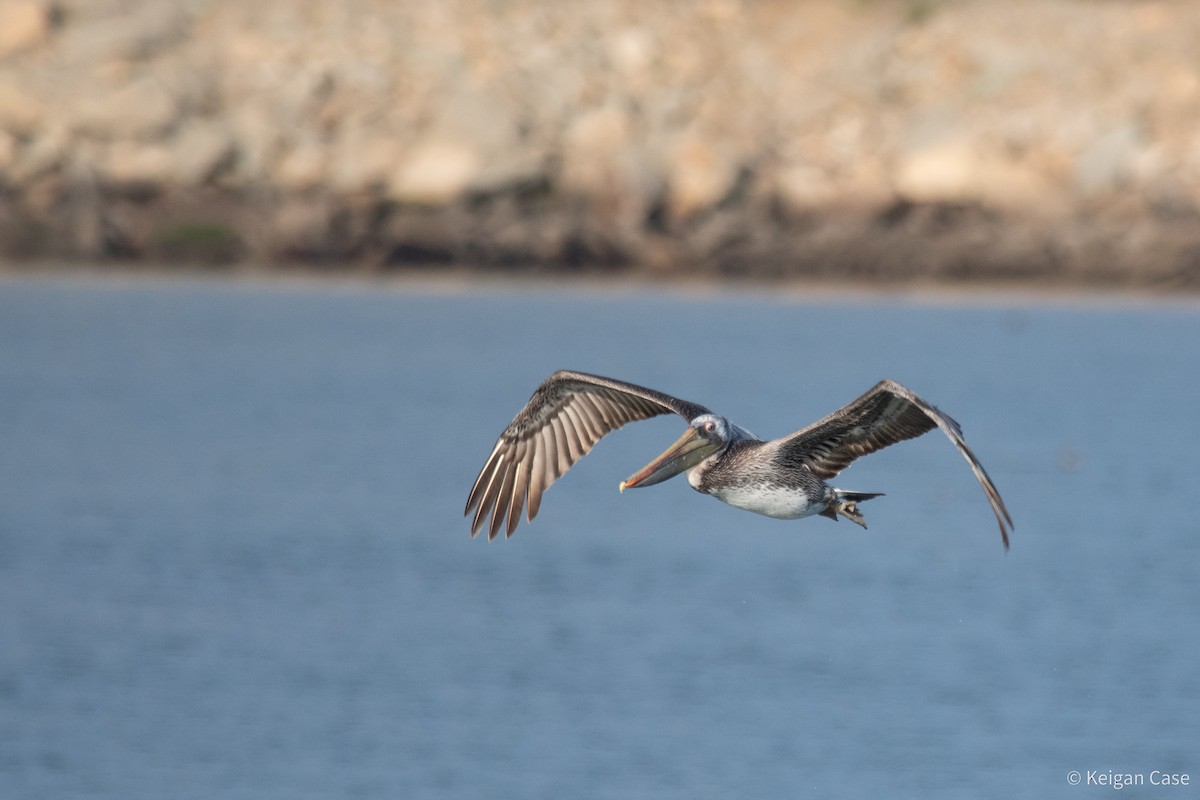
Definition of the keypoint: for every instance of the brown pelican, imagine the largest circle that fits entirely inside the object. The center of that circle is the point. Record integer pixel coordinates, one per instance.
(783, 478)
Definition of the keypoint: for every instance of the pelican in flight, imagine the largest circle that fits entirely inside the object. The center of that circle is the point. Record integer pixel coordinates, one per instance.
(783, 478)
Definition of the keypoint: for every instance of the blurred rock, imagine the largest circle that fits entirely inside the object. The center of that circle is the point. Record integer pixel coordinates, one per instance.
(138, 168)
(141, 108)
(302, 167)
(1108, 161)
(102, 32)
(200, 151)
(8, 151)
(20, 113)
(962, 171)
(300, 229)
(434, 173)
(698, 177)
(609, 180)
(595, 157)
(471, 144)
(257, 143)
(44, 153)
(361, 159)
(877, 141)
(24, 24)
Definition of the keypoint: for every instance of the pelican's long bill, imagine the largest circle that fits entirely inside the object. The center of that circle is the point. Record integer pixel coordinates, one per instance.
(687, 452)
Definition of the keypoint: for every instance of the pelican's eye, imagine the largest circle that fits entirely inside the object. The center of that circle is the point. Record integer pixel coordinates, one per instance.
(710, 426)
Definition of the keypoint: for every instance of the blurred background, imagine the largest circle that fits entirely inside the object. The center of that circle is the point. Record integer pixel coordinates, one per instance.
(879, 140)
(233, 561)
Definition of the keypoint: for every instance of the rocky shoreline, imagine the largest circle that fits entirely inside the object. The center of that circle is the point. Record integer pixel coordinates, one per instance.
(1026, 144)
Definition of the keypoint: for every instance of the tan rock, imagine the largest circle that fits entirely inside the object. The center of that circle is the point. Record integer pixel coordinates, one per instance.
(135, 165)
(42, 196)
(593, 149)
(100, 33)
(471, 143)
(609, 173)
(8, 151)
(698, 177)
(803, 187)
(140, 108)
(302, 167)
(20, 112)
(257, 141)
(520, 166)
(1109, 161)
(361, 159)
(434, 173)
(200, 150)
(24, 24)
(938, 172)
(961, 171)
(44, 153)
(299, 226)
(631, 50)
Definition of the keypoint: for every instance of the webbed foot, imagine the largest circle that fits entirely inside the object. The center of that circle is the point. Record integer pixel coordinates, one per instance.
(849, 510)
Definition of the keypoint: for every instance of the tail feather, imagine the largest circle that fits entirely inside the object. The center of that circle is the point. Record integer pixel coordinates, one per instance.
(855, 497)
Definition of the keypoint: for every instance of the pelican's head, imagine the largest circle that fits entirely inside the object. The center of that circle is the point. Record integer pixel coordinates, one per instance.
(706, 435)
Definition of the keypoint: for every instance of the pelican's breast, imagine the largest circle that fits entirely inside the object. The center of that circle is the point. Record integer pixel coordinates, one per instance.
(750, 478)
(771, 499)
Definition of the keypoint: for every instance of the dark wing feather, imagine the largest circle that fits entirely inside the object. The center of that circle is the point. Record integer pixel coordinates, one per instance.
(567, 414)
(886, 414)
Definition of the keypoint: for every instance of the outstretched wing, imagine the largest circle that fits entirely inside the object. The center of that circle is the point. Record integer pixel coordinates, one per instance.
(567, 414)
(886, 414)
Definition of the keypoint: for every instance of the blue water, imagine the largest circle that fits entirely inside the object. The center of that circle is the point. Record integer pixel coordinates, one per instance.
(233, 561)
